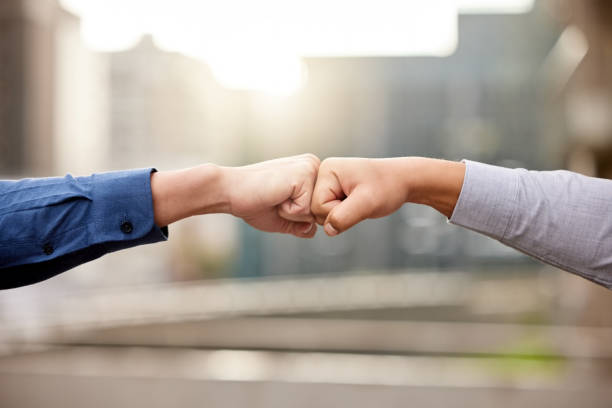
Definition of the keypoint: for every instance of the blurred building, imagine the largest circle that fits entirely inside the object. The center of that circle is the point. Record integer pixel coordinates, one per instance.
(588, 91)
(587, 102)
(166, 110)
(51, 120)
(26, 85)
(80, 104)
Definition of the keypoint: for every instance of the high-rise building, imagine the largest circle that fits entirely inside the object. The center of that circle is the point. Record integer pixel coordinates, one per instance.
(52, 118)
(166, 110)
(26, 85)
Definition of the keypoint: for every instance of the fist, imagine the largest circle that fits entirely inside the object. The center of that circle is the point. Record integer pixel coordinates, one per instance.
(275, 195)
(349, 190)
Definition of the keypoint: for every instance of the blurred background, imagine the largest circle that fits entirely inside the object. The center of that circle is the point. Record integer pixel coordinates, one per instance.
(397, 311)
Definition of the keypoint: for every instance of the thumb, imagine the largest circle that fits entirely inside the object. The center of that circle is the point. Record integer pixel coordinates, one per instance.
(353, 209)
(296, 211)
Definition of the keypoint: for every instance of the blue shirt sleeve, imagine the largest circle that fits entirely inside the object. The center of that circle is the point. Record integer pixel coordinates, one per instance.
(50, 225)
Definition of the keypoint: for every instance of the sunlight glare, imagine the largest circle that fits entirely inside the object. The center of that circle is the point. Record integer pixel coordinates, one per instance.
(257, 45)
(274, 74)
(495, 6)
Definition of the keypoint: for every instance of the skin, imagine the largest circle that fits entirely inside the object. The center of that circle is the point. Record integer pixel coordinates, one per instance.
(272, 196)
(291, 195)
(350, 190)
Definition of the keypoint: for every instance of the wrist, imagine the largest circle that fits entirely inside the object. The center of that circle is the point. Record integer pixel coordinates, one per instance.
(183, 193)
(436, 183)
(418, 179)
(406, 172)
(212, 187)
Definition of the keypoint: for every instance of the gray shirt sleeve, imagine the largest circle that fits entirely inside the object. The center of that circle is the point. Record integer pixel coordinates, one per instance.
(559, 217)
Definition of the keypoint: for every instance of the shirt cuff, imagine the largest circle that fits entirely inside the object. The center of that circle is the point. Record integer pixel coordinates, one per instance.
(487, 199)
(122, 210)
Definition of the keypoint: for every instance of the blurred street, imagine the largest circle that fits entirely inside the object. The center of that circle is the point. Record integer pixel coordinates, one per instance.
(145, 377)
(388, 339)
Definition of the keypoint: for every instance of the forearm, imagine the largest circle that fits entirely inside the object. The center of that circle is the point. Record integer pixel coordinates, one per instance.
(54, 224)
(558, 217)
(183, 193)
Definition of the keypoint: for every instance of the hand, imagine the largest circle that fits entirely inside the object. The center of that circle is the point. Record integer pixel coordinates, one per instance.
(349, 190)
(272, 196)
(275, 195)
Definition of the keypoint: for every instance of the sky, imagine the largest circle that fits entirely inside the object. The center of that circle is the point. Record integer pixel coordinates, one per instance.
(259, 44)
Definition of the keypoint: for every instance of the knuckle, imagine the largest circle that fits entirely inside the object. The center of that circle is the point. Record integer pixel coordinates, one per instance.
(316, 209)
(330, 165)
(328, 160)
(312, 166)
(300, 210)
(283, 211)
(325, 164)
(304, 210)
(312, 157)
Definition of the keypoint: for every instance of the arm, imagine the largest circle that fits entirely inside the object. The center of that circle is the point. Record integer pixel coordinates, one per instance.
(50, 225)
(53, 224)
(559, 217)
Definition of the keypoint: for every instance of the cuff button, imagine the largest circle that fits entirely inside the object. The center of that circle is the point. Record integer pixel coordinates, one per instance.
(48, 249)
(127, 227)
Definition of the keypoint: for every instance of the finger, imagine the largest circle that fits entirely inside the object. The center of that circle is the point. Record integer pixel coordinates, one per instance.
(298, 211)
(302, 229)
(297, 206)
(327, 194)
(355, 208)
(324, 210)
